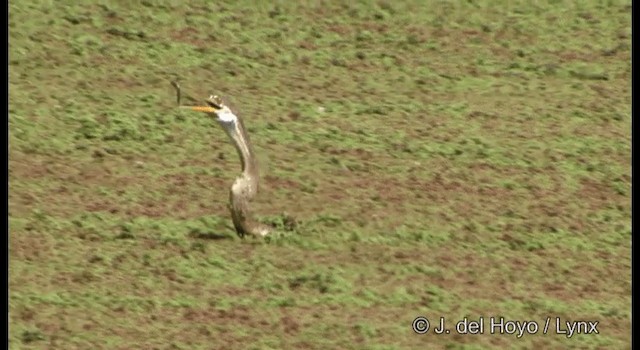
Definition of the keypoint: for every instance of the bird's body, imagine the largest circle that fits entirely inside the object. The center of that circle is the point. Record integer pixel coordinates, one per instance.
(245, 187)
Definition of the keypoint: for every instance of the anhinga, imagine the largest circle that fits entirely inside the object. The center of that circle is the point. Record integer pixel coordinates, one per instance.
(245, 187)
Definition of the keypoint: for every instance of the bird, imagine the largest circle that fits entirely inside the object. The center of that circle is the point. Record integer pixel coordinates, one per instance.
(245, 186)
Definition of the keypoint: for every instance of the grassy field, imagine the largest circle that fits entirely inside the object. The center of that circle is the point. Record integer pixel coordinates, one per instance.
(441, 159)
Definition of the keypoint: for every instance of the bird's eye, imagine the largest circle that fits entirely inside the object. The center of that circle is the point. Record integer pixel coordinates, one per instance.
(214, 105)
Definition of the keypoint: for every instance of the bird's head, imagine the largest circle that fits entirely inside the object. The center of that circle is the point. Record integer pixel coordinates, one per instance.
(228, 120)
(231, 124)
(215, 106)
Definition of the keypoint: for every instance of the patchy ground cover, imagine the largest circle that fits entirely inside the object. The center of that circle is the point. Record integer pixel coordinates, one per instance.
(455, 159)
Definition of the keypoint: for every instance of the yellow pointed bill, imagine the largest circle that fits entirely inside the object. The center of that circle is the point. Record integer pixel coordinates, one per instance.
(206, 109)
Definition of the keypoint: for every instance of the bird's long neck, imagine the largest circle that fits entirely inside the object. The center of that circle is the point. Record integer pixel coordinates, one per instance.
(245, 187)
(242, 143)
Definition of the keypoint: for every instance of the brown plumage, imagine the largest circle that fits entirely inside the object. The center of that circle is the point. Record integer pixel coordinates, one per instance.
(245, 187)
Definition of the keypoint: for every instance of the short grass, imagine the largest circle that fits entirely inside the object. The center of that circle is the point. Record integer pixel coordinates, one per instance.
(455, 159)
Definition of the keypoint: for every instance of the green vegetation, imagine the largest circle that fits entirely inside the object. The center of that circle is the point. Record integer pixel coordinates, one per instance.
(455, 159)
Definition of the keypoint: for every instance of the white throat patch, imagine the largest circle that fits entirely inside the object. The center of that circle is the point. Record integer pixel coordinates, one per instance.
(226, 116)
